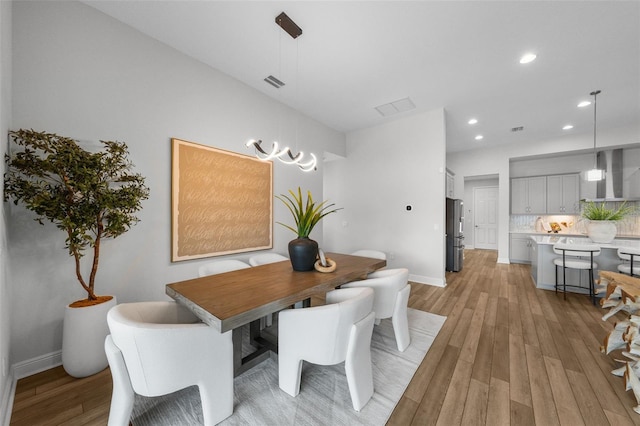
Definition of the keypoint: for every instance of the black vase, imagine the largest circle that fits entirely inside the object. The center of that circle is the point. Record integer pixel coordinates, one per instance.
(303, 253)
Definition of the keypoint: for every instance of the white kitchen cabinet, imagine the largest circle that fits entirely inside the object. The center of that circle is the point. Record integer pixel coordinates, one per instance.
(563, 194)
(520, 248)
(529, 195)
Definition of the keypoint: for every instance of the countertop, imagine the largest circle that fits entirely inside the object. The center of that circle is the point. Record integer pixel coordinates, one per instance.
(547, 233)
(559, 238)
(567, 234)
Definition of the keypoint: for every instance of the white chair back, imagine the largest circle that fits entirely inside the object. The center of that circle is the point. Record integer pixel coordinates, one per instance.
(221, 266)
(375, 254)
(392, 290)
(327, 335)
(386, 284)
(576, 250)
(264, 258)
(625, 253)
(158, 348)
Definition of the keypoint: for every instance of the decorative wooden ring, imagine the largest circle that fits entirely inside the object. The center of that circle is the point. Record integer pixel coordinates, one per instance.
(332, 266)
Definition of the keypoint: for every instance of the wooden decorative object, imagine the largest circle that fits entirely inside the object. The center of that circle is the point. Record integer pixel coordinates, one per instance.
(221, 202)
(623, 294)
(331, 266)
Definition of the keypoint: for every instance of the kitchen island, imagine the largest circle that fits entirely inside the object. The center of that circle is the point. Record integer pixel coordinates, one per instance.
(542, 256)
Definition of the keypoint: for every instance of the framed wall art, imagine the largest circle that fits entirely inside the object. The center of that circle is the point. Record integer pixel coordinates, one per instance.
(221, 202)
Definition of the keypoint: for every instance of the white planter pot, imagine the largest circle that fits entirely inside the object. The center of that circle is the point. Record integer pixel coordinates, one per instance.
(602, 231)
(83, 333)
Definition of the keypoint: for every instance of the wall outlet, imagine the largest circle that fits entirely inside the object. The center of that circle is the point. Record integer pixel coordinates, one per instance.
(392, 255)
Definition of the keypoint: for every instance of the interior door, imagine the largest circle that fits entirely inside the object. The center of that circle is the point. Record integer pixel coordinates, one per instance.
(485, 217)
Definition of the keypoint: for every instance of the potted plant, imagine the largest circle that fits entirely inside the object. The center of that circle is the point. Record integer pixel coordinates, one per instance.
(90, 196)
(601, 227)
(303, 250)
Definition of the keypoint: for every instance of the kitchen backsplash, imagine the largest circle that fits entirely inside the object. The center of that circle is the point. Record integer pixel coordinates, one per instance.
(570, 224)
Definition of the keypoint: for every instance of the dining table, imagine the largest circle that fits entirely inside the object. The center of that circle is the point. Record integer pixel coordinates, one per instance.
(231, 300)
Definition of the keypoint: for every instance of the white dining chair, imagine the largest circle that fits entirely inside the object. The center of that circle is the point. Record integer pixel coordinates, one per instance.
(221, 266)
(630, 257)
(392, 289)
(265, 258)
(157, 348)
(578, 257)
(339, 331)
(370, 253)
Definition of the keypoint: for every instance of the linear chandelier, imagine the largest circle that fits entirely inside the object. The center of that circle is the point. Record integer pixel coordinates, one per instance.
(284, 154)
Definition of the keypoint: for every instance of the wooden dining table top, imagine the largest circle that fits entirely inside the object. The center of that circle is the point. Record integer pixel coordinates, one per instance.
(231, 299)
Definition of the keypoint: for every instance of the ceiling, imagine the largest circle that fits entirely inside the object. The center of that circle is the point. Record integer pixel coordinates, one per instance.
(462, 56)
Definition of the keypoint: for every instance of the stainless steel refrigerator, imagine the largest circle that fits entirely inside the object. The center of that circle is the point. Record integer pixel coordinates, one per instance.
(455, 235)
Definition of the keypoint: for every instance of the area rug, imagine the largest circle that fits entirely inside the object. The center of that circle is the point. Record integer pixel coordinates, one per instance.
(324, 394)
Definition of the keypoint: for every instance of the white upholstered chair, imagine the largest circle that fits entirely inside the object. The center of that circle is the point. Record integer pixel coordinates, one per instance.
(221, 266)
(392, 289)
(156, 348)
(370, 253)
(631, 260)
(264, 258)
(578, 257)
(327, 335)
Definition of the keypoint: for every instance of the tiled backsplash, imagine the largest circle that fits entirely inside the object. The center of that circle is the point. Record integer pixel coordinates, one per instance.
(575, 224)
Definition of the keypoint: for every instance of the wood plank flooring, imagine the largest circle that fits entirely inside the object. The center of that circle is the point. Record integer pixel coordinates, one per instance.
(508, 354)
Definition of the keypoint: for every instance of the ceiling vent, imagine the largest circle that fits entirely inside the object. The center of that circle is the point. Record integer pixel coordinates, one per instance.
(517, 129)
(274, 82)
(401, 105)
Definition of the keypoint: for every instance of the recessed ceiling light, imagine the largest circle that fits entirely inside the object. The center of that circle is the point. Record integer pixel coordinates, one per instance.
(584, 104)
(567, 127)
(472, 121)
(479, 137)
(529, 57)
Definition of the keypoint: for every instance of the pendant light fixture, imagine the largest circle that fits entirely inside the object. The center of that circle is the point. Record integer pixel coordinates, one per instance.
(595, 174)
(284, 154)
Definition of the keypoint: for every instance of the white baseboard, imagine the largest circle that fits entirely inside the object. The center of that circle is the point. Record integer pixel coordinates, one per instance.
(6, 405)
(37, 365)
(504, 260)
(25, 369)
(438, 282)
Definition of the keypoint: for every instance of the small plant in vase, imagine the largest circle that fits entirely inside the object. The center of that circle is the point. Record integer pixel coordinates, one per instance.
(90, 196)
(303, 250)
(601, 227)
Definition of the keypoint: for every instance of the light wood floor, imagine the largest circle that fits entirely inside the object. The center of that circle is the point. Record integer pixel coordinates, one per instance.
(507, 354)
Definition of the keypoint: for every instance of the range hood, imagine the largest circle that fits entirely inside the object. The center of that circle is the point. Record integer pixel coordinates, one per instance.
(610, 188)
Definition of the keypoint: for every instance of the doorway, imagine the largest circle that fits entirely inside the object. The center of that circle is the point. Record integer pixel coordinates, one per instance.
(485, 218)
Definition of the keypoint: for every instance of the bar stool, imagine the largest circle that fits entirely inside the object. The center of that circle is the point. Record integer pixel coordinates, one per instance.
(627, 255)
(579, 257)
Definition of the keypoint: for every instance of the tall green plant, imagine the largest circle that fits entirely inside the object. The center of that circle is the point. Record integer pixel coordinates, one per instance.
(306, 214)
(90, 196)
(600, 211)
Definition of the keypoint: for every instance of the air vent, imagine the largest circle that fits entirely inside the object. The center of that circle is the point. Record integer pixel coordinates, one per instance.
(274, 82)
(517, 129)
(401, 105)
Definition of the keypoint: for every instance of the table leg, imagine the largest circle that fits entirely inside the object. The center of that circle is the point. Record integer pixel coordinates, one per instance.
(236, 337)
(263, 346)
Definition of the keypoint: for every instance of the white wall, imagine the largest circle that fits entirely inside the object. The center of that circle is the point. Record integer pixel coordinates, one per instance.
(388, 167)
(80, 73)
(495, 160)
(5, 293)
